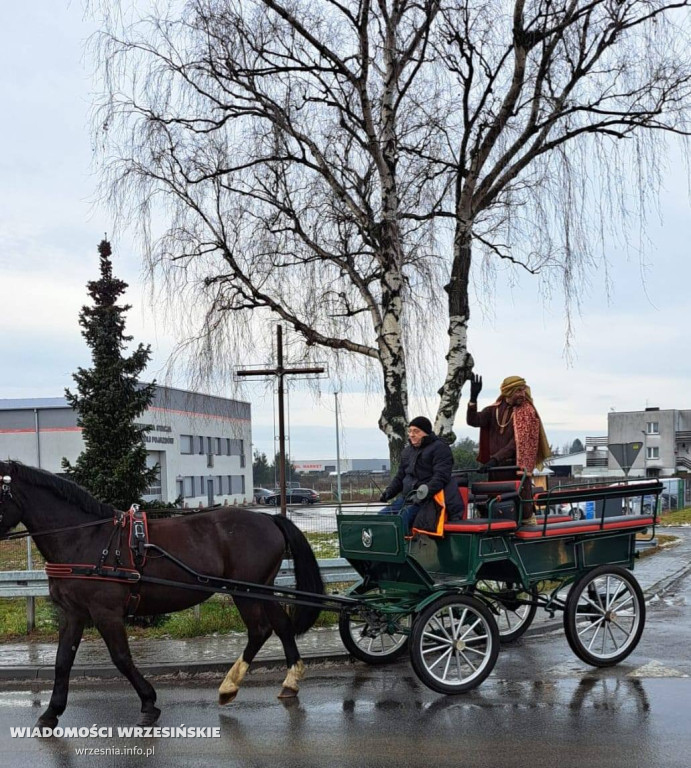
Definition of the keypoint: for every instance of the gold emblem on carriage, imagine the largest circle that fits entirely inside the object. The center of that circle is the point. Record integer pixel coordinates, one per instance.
(367, 537)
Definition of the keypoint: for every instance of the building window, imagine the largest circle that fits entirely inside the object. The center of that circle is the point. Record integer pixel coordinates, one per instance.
(653, 427)
(186, 444)
(188, 485)
(155, 488)
(652, 452)
(218, 485)
(179, 488)
(237, 484)
(200, 444)
(217, 446)
(226, 446)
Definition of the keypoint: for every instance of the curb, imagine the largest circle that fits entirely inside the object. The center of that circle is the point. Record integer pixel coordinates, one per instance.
(82, 673)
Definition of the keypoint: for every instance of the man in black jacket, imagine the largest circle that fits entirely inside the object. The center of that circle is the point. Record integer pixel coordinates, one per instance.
(427, 460)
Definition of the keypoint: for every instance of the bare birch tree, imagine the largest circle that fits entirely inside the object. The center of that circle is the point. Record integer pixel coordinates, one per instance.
(560, 107)
(333, 163)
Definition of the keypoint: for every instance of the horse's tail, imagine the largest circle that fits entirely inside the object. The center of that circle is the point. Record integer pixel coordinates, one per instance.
(307, 575)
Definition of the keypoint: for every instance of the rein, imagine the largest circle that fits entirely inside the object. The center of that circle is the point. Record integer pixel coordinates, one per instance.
(26, 534)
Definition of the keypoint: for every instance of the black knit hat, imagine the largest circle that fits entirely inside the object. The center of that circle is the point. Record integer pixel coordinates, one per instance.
(422, 423)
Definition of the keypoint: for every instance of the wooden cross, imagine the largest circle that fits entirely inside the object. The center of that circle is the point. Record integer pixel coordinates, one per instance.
(280, 372)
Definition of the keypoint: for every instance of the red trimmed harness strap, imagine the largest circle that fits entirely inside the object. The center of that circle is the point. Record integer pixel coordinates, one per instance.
(137, 538)
(86, 571)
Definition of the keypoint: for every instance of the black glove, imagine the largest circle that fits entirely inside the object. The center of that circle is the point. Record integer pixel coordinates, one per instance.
(491, 463)
(384, 497)
(475, 387)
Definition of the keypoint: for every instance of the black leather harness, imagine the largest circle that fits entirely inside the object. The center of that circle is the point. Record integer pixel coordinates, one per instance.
(132, 525)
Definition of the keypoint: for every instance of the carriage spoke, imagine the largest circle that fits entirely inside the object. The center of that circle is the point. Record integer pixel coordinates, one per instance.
(613, 639)
(436, 648)
(434, 636)
(440, 625)
(599, 610)
(459, 669)
(617, 591)
(595, 635)
(468, 661)
(624, 603)
(442, 656)
(456, 624)
(449, 658)
(624, 630)
(478, 651)
(470, 628)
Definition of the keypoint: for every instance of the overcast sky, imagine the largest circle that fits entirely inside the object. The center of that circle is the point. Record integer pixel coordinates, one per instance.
(631, 348)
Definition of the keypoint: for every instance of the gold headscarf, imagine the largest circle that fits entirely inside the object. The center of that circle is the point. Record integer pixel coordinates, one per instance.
(511, 384)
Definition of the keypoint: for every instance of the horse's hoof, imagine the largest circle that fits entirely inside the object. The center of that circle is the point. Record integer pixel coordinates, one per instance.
(149, 718)
(226, 698)
(47, 722)
(287, 693)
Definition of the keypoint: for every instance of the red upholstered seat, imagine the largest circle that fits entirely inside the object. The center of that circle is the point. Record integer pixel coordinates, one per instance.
(481, 525)
(574, 527)
(553, 519)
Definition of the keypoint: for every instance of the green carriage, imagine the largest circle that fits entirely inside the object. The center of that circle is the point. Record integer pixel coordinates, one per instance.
(453, 599)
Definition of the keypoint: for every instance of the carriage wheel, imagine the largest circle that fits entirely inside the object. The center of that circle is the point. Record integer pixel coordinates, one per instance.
(513, 618)
(454, 644)
(604, 616)
(370, 641)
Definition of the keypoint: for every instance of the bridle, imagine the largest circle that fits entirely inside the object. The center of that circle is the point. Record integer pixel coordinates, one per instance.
(5, 493)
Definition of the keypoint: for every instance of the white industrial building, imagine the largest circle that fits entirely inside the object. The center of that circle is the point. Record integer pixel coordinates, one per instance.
(201, 443)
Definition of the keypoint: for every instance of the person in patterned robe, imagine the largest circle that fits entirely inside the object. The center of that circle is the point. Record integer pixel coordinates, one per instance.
(511, 434)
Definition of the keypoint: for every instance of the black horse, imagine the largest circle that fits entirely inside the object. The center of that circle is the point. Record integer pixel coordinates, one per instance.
(70, 526)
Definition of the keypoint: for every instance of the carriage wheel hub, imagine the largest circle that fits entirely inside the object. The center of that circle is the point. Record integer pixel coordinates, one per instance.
(459, 645)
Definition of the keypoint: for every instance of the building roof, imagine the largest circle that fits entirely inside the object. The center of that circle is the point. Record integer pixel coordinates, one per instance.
(29, 403)
(165, 397)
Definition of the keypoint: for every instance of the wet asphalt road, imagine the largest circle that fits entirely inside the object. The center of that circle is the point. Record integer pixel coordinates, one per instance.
(540, 708)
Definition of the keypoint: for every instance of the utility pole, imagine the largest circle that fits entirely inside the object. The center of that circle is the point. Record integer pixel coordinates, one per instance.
(338, 454)
(280, 372)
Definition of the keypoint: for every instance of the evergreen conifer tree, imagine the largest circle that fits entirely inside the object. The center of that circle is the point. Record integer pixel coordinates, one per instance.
(109, 398)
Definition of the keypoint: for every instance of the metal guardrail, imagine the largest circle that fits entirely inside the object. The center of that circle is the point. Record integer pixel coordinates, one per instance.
(23, 584)
(35, 583)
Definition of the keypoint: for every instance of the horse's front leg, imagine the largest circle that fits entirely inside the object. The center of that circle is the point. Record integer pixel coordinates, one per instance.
(71, 630)
(111, 626)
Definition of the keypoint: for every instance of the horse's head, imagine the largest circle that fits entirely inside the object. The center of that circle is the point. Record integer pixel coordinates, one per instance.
(10, 509)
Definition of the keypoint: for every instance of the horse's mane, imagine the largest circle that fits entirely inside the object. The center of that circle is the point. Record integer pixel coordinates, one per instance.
(65, 489)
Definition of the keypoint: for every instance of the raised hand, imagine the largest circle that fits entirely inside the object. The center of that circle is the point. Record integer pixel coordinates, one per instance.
(475, 387)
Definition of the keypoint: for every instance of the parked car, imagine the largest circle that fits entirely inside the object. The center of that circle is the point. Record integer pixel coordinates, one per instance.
(260, 495)
(574, 511)
(294, 496)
